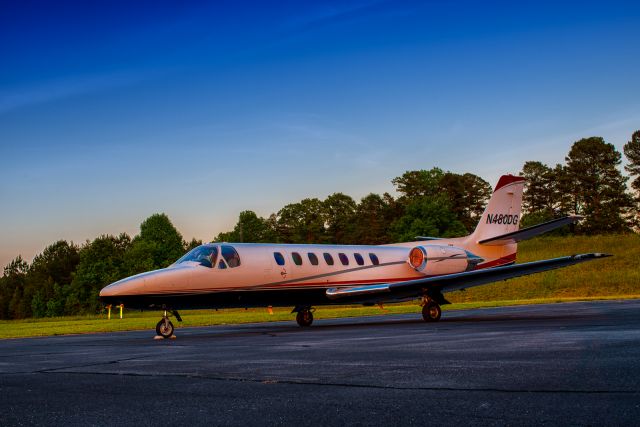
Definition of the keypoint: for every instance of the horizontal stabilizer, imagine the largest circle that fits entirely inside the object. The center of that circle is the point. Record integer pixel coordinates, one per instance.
(529, 232)
(425, 238)
(453, 282)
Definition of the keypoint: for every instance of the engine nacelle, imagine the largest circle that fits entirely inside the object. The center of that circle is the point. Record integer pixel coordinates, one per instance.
(435, 260)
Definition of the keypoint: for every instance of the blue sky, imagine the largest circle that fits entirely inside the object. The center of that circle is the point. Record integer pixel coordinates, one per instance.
(112, 111)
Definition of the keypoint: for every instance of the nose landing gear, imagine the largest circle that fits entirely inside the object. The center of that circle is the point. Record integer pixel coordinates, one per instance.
(164, 327)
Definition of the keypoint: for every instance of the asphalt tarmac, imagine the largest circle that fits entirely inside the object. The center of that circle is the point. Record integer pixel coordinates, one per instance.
(558, 364)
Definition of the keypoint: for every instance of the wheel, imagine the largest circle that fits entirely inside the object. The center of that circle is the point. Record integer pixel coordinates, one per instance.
(304, 318)
(431, 312)
(164, 328)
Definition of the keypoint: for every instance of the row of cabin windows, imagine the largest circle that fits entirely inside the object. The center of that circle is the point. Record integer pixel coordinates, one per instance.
(328, 258)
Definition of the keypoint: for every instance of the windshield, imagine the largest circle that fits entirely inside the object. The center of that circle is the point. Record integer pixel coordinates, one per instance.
(204, 255)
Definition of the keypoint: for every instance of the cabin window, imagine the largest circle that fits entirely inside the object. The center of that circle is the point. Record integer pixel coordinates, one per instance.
(358, 258)
(279, 258)
(328, 258)
(222, 265)
(230, 255)
(297, 259)
(374, 259)
(343, 259)
(313, 259)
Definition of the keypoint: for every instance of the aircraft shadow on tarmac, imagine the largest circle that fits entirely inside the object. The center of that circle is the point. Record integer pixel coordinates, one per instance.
(244, 330)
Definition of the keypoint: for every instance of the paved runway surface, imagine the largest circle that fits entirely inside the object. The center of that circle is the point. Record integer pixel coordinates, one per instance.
(576, 363)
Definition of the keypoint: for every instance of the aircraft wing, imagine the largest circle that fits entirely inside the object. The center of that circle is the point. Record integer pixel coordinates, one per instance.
(453, 282)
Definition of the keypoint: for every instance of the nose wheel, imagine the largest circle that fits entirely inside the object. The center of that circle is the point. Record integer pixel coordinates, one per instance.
(164, 327)
(304, 317)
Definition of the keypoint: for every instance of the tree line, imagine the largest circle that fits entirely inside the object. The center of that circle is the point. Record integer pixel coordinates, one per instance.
(66, 278)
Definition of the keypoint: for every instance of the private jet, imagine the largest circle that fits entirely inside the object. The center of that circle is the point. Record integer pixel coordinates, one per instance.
(237, 275)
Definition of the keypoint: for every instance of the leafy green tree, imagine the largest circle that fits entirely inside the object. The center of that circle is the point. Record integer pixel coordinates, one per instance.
(428, 216)
(56, 304)
(373, 218)
(302, 222)
(547, 194)
(19, 304)
(38, 305)
(140, 257)
(599, 190)
(57, 262)
(161, 239)
(50, 276)
(467, 195)
(567, 201)
(539, 191)
(194, 243)
(476, 195)
(272, 229)
(250, 228)
(16, 268)
(415, 184)
(339, 210)
(226, 236)
(103, 261)
(12, 286)
(370, 225)
(632, 152)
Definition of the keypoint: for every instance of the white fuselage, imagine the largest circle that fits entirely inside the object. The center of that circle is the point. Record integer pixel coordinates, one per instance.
(317, 267)
(244, 274)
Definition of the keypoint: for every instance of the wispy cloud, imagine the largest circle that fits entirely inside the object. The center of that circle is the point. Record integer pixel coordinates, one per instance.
(326, 15)
(27, 96)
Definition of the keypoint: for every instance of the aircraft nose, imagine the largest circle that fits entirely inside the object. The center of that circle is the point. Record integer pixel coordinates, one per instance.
(128, 286)
(162, 281)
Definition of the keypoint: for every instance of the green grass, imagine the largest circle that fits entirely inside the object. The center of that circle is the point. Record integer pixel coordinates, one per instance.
(615, 276)
(612, 278)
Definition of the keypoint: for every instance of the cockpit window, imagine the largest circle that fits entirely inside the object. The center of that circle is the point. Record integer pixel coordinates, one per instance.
(204, 255)
(230, 255)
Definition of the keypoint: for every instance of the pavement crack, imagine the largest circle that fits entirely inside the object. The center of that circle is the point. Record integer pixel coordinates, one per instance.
(338, 384)
(88, 365)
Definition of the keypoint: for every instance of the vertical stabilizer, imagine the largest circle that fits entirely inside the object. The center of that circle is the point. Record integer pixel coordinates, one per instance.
(503, 211)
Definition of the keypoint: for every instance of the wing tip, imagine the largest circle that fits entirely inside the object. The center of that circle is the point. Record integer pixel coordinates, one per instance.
(593, 255)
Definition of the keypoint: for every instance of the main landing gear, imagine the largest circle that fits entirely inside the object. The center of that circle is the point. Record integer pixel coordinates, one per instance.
(304, 317)
(164, 328)
(431, 310)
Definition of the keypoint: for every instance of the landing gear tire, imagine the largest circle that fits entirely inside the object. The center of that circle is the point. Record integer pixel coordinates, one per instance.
(431, 312)
(304, 318)
(164, 328)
